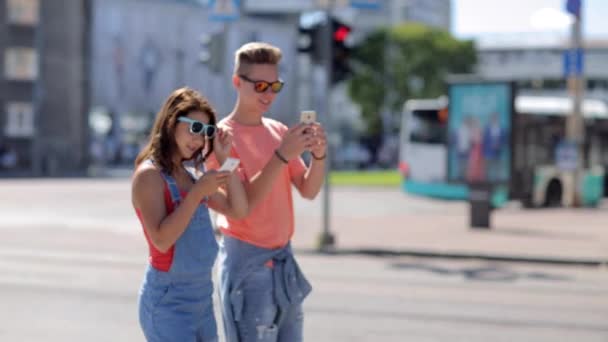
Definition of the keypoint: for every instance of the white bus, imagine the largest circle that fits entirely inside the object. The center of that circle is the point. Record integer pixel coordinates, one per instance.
(535, 178)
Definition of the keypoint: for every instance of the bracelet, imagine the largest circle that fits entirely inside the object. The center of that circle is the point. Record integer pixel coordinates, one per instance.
(278, 154)
(318, 158)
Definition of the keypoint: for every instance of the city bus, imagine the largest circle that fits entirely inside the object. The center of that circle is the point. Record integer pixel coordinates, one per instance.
(535, 177)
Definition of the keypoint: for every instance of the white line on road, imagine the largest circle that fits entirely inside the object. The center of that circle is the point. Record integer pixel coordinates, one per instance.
(71, 257)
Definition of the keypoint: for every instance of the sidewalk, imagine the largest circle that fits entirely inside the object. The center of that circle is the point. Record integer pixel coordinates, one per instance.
(388, 221)
(363, 220)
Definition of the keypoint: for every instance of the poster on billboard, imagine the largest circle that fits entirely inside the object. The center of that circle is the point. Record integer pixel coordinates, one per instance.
(479, 126)
(279, 6)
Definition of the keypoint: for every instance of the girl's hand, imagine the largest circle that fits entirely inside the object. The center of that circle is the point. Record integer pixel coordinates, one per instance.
(222, 145)
(210, 182)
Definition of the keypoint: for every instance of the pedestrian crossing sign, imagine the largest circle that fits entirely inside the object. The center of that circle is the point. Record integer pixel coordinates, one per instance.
(365, 4)
(224, 10)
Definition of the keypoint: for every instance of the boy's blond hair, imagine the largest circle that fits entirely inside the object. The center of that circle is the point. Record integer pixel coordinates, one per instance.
(255, 53)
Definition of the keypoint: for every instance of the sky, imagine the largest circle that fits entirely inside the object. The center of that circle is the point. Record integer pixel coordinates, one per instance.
(478, 18)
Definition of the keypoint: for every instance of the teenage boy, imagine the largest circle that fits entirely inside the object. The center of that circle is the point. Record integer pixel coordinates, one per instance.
(261, 285)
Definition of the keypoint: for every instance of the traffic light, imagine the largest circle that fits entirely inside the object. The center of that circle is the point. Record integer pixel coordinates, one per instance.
(340, 51)
(310, 40)
(213, 50)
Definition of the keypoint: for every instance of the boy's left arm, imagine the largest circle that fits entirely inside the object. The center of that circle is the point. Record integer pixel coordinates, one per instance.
(309, 183)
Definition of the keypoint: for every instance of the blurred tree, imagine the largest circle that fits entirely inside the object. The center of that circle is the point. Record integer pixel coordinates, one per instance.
(403, 62)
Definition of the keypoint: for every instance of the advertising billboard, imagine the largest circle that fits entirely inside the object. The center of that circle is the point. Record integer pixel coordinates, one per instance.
(479, 126)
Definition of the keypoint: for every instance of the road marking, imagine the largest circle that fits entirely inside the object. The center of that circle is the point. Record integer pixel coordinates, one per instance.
(72, 256)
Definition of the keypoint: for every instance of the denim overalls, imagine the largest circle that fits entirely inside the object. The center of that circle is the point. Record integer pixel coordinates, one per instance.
(177, 305)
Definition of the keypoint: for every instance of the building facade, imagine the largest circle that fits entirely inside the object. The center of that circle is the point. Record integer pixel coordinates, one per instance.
(19, 61)
(135, 66)
(541, 66)
(82, 80)
(43, 86)
(435, 13)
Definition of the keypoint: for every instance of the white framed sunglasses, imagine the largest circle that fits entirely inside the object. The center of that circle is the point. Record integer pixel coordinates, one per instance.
(197, 127)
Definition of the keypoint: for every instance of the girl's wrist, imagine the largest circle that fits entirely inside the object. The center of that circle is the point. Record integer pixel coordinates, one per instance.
(220, 159)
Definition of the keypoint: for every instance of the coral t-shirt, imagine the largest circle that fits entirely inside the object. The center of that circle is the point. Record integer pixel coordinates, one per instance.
(270, 224)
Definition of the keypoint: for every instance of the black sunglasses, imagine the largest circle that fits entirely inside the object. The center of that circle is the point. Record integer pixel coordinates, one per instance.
(262, 86)
(197, 127)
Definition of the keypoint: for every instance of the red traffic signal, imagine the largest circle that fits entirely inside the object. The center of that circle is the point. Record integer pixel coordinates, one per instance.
(341, 33)
(340, 51)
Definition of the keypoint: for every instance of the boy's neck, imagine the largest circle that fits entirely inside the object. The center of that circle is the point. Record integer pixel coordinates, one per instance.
(245, 116)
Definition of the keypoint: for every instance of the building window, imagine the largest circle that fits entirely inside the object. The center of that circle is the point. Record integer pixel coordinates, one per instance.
(19, 120)
(21, 64)
(23, 12)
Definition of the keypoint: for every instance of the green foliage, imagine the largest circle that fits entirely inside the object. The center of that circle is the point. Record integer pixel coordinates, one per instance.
(385, 178)
(403, 62)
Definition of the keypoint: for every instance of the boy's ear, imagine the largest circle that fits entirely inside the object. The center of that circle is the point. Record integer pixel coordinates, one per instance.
(236, 81)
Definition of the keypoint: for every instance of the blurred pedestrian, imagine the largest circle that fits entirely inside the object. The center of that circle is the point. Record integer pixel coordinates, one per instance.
(261, 285)
(494, 143)
(475, 167)
(463, 146)
(172, 203)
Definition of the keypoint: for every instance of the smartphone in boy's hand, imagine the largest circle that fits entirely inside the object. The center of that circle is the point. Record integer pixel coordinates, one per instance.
(308, 116)
(230, 164)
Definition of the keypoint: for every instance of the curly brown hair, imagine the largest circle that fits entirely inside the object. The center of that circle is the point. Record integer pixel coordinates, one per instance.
(161, 145)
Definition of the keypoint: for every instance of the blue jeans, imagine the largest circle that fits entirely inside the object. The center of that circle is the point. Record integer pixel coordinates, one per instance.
(260, 313)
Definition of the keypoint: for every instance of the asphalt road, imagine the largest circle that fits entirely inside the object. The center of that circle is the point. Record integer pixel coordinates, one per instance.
(72, 257)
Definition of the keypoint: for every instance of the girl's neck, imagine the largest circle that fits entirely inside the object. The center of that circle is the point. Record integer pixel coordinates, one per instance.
(178, 166)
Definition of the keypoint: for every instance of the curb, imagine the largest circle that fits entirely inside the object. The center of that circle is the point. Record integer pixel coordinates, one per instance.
(457, 256)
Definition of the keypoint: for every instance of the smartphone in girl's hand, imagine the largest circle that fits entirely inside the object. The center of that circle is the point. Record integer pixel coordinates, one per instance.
(230, 164)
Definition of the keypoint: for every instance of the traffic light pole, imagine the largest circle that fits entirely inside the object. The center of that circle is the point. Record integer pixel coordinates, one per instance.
(575, 129)
(326, 239)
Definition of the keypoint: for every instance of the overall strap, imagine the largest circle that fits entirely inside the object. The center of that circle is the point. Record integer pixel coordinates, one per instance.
(192, 173)
(173, 188)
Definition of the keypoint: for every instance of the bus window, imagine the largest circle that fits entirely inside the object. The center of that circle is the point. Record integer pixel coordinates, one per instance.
(427, 127)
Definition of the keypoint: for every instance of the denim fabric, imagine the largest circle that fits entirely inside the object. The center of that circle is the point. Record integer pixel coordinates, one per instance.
(260, 303)
(260, 313)
(177, 305)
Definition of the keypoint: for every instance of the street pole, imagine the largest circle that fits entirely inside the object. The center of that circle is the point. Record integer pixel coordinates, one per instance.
(36, 155)
(575, 129)
(326, 240)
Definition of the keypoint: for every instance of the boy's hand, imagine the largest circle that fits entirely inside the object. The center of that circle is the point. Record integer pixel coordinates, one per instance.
(295, 141)
(210, 182)
(318, 146)
(222, 145)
